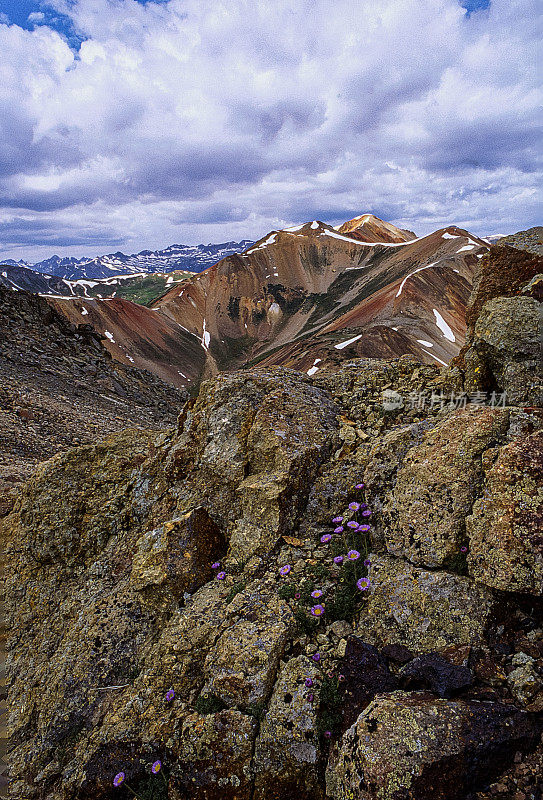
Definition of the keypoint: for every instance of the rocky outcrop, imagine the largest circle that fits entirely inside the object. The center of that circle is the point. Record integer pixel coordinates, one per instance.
(242, 597)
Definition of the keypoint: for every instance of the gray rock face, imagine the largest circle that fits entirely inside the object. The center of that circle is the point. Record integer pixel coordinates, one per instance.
(406, 746)
(422, 610)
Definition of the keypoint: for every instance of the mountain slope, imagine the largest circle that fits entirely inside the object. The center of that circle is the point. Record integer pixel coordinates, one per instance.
(369, 228)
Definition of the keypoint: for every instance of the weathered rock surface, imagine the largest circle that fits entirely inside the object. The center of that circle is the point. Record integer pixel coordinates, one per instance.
(505, 528)
(423, 610)
(406, 746)
(437, 484)
(433, 672)
(288, 744)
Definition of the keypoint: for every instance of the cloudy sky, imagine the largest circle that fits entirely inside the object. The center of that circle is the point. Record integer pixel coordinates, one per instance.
(127, 124)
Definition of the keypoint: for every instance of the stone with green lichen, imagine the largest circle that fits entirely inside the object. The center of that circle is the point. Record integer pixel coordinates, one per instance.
(422, 610)
(437, 484)
(505, 525)
(288, 744)
(407, 745)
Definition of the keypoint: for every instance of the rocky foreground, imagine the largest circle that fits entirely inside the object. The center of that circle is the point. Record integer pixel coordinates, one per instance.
(191, 618)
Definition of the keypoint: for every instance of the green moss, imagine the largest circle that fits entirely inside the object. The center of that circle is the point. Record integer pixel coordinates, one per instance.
(236, 589)
(209, 704)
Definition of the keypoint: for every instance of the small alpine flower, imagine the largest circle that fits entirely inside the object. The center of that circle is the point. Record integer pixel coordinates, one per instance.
(366, 513)
(155, 769)
(363, 584)
(308, 683)
(285, 570)
(353, 555)
(359, 486)
(364, 528)
(310, 697)
(354, 506)
(317, 611)
(170, 694)
(316, 656)
(327, 734)
(463, 549)
(297, 596)
(352, 524)
(367, 562)
(339, 529)
(337, 520)
(341, 678)
(338, 560)
(216, 565)
(326, 538)
(316, 594)
(220, 576)
(119, 778)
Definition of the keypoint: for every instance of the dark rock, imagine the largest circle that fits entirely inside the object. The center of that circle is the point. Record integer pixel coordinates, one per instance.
(432, 671)
(397, 653)
(366, 674)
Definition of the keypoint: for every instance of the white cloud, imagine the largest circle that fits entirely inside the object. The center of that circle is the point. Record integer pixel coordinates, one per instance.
(202, 120)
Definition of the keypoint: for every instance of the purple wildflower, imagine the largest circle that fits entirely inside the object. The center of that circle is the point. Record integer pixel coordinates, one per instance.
(155, 769)
(353, 555)
(463, 549)
(363, 584)
(337, 520)
(316, 656)
(317, 610)
(310, 697)
(308, 683)
(354, 506)
(352, 524)
(216, 565)
(364, 528)
(285, 570)
(359, 486)
(363, 506)
(170, 694)
(326, 538)
(366, 513)
(338, 560)
(221, 576)
(327, 734)
(316, 594)
(339, 529)
(341, 678)
(367, 562)
(297, 596)
(119, 778)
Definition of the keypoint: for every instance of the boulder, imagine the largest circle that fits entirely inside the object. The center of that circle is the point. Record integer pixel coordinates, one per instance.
(423, 610)
(240, 668)
(434, 672)
(214, 761)
(366, 674)
(287, 752)
(406, 746)
(437, 484)
(505, 528)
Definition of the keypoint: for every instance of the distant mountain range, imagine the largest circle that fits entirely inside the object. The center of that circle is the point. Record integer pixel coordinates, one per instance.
(190, 258)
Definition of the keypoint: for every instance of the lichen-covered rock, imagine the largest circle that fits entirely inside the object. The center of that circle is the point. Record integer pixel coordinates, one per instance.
(507, 339)
(422, 610)
(287, 749)
(437, 484)
(176, 557)
(526, 683)
(214, 761)
(406, 746)
(241, 666)
(505, 528)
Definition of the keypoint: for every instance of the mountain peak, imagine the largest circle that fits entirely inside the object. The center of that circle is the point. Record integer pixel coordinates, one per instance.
(369, 228)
